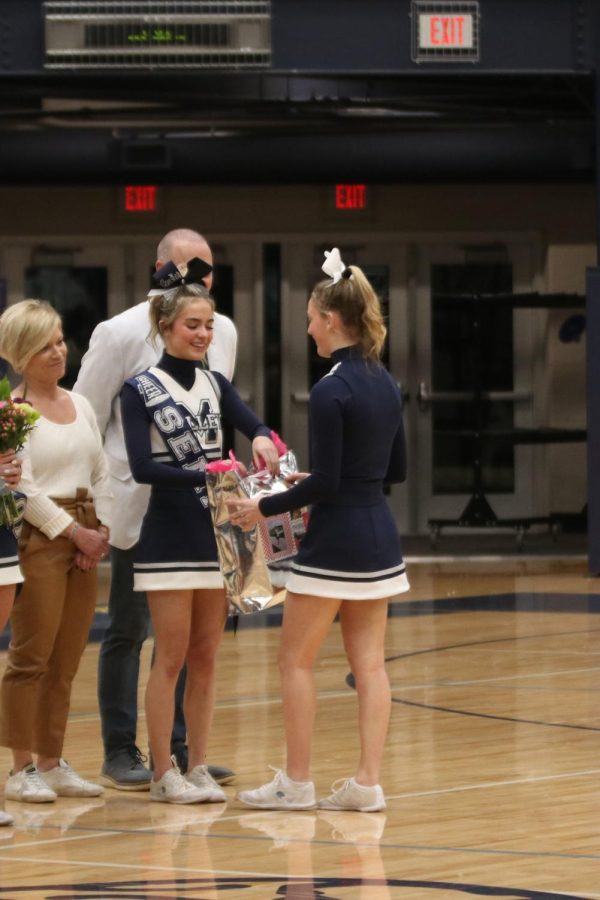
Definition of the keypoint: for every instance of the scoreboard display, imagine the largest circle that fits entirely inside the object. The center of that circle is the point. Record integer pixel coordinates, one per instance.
(80, 34)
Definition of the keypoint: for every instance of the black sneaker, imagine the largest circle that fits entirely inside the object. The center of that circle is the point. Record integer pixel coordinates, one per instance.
(125, 771)
(220, 774)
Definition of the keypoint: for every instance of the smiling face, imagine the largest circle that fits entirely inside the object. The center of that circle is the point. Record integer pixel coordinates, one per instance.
(190, 334)
(49, 364)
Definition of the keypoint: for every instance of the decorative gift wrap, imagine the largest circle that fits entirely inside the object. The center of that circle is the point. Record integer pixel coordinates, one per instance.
(280, 535)
(255, 560)
(241, 557)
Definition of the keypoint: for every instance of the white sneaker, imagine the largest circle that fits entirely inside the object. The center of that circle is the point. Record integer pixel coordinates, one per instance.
(351, 795)
(65, 782)
(201, 778)
(6, 818)
(359, 828)
(173, 787)
(281, 828)
(27, 786)
(281, 793)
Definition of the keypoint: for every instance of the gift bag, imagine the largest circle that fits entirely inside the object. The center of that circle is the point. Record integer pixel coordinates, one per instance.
(241, 557)
(281, 534)
(253, 562)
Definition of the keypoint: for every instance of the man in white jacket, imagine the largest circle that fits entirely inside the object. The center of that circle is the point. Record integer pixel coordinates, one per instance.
(118, 350)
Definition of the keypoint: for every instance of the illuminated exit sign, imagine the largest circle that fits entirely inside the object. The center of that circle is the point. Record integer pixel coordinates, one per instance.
(445, 31)
(140, 198)
(351, 196)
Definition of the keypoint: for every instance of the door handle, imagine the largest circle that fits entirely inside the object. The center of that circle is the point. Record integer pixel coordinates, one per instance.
(300, 396)
(425, 397)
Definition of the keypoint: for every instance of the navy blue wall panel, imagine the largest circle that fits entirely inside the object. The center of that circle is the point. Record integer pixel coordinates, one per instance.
(21, 36)
(376, 35)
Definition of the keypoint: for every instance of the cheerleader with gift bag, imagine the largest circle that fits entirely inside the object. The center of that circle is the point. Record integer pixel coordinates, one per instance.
(350, 560)
(172, 423)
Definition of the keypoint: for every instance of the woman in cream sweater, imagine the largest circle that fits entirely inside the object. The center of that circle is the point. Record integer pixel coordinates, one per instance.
(64, 535)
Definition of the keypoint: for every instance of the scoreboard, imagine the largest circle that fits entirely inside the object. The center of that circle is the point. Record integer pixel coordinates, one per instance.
(186, 34)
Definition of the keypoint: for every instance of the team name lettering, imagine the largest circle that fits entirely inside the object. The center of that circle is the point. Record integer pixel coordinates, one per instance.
(189, 438)
(150, 390)
(206, 424)
(183, 445)
(168, 419)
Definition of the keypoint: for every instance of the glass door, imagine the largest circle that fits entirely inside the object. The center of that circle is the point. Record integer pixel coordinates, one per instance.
(475, 370)
(384, 264)
(84, 283)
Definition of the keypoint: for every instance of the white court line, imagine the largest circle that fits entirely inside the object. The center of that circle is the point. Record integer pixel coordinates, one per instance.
(145, 867)
(113, 832)
(484, 785)
(274, 700)
(498, 678)
(349, 694)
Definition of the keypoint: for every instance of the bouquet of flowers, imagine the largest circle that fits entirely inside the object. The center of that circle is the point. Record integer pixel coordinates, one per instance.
(17, 419)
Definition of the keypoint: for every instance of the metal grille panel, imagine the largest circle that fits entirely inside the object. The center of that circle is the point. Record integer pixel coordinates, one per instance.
(158, 34)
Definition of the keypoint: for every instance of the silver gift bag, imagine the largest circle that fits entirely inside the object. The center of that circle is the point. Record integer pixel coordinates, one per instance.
(241, 555)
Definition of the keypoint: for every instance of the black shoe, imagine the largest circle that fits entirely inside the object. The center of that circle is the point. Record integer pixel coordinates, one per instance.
(220, 774)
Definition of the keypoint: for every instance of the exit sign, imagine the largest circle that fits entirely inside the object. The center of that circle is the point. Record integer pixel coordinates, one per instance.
(351, 196)
(140, 198)
(445, 31)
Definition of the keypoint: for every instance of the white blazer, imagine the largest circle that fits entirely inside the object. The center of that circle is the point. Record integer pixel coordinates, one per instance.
(120, 348)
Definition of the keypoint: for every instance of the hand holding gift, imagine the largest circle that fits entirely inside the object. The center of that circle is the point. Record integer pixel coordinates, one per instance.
(242, 562)
(251, 556)
(265, 454)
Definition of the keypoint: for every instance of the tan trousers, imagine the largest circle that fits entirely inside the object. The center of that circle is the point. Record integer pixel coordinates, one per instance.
(50, 623)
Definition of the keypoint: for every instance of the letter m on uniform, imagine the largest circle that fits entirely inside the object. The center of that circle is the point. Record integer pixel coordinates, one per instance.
(208, 422)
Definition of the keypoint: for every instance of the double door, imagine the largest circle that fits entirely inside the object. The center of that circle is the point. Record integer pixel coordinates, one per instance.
(466, 367)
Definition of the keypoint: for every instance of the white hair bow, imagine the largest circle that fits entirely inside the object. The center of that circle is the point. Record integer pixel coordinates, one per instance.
(334, 266)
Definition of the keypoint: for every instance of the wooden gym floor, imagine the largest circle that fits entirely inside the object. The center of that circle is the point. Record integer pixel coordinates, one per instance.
(492, 773)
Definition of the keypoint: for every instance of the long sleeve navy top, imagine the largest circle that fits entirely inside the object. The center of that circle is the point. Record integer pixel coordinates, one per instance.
(136, 426)
(357, 437)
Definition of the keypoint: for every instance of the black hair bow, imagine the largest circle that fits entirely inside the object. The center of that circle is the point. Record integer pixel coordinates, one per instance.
(171, 276)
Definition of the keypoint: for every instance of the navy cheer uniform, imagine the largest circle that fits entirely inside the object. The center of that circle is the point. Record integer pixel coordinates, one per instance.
(351, 550)
(171, 412)
(10, 572)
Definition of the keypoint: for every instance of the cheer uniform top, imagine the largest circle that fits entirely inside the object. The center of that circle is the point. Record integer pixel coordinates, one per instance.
(351, 549)
(172, 425)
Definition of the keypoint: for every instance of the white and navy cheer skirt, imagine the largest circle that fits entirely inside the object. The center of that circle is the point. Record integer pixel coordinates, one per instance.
(350, 553)
(177, 547)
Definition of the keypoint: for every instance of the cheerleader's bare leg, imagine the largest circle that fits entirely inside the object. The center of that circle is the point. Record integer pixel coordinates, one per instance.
(363, 630)
(209, 612)
(306, 621)
(171, 613)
